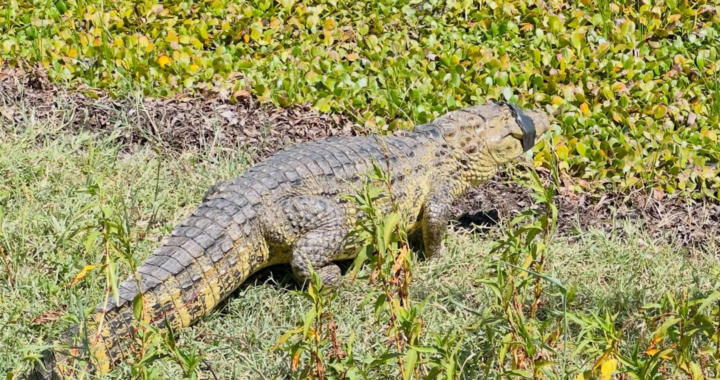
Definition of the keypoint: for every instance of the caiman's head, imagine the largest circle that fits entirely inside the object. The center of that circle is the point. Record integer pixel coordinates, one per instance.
(480, 138)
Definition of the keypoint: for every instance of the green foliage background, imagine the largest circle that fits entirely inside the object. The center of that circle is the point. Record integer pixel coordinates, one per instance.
(632, 84)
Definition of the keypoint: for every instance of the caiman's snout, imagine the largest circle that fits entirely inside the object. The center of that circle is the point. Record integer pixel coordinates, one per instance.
(529, 125)
(541, 121)
(512, 131)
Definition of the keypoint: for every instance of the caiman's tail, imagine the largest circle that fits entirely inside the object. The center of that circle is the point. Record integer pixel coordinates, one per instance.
(202, 262)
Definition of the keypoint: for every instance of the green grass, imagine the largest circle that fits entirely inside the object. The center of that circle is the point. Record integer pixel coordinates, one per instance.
(42, 170)
(621, 77)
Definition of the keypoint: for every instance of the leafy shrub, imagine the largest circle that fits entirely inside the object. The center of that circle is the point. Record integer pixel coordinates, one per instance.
(531, 334)
(632, 84)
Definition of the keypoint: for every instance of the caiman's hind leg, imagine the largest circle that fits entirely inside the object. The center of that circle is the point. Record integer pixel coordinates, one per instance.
(318, 248)
(319, 228)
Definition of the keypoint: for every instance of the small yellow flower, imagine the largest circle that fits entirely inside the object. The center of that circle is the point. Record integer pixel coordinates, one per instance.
(608, 368)
(163, 60)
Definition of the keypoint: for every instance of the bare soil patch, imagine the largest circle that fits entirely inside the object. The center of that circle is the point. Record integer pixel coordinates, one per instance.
(178, 123)
(189, 123)
(685, 222)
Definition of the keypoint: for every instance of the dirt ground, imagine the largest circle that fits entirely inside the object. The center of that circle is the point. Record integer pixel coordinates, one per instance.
(177, 124)
(186, 123)
(684, 222)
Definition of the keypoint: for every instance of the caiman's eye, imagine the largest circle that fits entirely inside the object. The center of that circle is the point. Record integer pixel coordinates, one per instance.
(471, 148)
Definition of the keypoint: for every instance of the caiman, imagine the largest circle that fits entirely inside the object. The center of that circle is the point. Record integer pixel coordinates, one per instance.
(290, 209)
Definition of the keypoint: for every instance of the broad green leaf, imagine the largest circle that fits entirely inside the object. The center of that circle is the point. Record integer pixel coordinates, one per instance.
(112, 279)
(709, 300)
(287, 335)
(389, 224)
(581, 149)
(424, 349)
(518, 373)
(411, 358)
(308, 321)
(138, 306)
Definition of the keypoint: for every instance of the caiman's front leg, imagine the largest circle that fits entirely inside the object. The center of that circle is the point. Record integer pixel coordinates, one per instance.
(435, 217)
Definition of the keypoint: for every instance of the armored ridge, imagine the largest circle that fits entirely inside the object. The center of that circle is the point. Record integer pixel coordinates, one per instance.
(288, 210)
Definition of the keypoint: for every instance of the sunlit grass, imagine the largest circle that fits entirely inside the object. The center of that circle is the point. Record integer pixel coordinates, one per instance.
(42, 169)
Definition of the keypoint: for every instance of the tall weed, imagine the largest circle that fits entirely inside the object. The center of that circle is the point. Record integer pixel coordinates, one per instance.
(107, 227)
(383, 248)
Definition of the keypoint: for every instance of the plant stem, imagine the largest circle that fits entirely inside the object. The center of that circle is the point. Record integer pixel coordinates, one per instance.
(8, 269)
(717, 344)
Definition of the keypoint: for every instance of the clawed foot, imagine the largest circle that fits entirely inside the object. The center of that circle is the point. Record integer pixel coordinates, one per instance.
(330, 275)
(435, 252)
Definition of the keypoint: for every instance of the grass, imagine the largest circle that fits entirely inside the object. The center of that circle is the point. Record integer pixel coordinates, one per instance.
(621, 77)
(43, 169)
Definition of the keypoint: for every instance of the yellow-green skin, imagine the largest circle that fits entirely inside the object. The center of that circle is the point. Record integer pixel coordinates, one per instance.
(288, 210)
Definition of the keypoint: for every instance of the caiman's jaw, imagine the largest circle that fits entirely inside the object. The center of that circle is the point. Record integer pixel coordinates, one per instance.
(517, 133)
